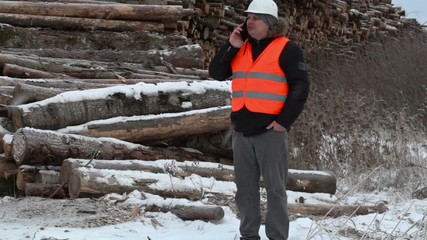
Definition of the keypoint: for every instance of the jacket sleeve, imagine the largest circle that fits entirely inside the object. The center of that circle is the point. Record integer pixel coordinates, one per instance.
(292, 62)
(220, 66)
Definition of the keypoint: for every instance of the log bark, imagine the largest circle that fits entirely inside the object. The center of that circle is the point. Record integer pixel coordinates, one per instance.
(146, 129)
(27, 38)
(5, 99)
(33, 146)
(204, 213)
(187, 56)
(36, 174)
(54, 68)
(130, 100)
(91, 183)
(37, 90)
(73, 23)
(97, 11)
(24, 93)
(45, 190)
(66, 84)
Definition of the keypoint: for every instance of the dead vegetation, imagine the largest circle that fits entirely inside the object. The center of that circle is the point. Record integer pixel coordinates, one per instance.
(368, 111)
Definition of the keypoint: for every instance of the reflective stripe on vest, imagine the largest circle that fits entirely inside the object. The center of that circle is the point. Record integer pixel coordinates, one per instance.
(261, 86)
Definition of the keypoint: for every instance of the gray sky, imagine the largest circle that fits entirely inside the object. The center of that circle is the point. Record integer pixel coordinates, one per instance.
(414, 9)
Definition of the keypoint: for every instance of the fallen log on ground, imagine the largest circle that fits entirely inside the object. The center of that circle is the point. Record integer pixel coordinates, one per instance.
(77, 107)
(204, 213)
(333, 210)
(43, 147)
(311, 181)
(146, 129)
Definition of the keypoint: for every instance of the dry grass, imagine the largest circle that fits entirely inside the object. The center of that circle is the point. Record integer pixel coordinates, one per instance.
(367, 110)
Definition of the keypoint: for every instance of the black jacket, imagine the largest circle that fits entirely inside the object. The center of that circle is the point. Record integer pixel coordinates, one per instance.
(291, 61)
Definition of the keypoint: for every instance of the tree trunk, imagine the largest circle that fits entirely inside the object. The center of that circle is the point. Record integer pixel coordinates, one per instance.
(130, 100)
(12, 70)
(32, 146)
(37, 174)
(27, 38)
(315, 181)
(204, 213)
(45, 190)
(187, 56)
(333, 210)
(72, 23)
(55, 68)
(177, 169)
(97, 11)
(95, 183)
(24, 93)
(146, 129)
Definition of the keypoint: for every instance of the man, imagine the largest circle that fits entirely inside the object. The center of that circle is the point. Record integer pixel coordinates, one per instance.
(269, 89)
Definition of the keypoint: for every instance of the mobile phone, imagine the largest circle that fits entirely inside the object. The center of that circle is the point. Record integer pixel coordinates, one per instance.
(244, 33)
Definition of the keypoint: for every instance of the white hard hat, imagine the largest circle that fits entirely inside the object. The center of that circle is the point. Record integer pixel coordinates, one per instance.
(264, 7)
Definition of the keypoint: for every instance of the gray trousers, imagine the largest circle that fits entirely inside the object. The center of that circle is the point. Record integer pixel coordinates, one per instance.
(261, 155)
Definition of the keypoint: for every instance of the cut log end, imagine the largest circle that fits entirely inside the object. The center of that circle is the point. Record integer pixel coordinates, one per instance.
(74, 185)
(19, 144)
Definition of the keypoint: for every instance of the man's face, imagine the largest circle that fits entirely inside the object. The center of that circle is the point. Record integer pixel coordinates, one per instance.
(257, 28)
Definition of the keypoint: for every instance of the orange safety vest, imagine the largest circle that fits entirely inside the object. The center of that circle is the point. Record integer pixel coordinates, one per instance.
(261, 86)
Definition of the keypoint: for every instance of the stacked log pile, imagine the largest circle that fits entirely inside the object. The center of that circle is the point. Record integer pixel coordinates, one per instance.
(335, 24)
(99, 89)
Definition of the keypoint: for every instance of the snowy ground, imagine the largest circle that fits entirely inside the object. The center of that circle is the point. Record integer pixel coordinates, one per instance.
(109, 218)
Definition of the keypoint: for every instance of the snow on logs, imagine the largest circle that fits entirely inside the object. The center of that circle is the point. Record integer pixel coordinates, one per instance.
(44, 147)
(78, 107)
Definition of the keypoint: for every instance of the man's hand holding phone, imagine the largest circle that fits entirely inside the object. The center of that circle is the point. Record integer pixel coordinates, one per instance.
(239, 35)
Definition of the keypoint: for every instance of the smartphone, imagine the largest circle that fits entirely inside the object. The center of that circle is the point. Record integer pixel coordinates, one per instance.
(244, 33)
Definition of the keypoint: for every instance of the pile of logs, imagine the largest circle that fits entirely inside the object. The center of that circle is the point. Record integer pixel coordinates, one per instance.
(73, 145)
(108, 96)
(335, 24)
